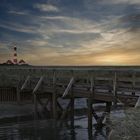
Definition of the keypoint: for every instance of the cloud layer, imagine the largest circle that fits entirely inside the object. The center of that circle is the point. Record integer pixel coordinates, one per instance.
(46, 7)
(82, 32)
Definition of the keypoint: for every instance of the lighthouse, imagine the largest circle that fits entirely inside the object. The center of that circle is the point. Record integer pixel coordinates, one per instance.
(15, 60)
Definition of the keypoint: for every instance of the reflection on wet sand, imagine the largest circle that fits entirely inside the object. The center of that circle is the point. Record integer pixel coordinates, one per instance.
(52, 130)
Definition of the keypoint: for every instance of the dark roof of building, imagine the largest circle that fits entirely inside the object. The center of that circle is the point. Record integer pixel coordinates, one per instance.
(9, 62)
(22, 61)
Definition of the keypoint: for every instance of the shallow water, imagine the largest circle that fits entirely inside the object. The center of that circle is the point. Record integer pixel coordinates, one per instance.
(29, 129)
(50, 130)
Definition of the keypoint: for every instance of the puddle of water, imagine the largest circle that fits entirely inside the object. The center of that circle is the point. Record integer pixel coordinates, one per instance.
(50, 130)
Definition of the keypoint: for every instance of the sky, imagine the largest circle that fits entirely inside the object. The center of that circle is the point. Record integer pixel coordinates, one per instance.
(71, 32)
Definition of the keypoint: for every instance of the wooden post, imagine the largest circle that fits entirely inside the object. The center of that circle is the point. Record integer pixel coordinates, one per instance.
(54, 97)
(72, 107)
(89, 116)
(72, 111)
(108, 107)
(137, 103)
(35, 106)
(133, 82)
(51, 105)
(92, 85)
(90, 99)
(65, 111)
(114, 88)
(107, 112)
(35, 96)
(18, 94)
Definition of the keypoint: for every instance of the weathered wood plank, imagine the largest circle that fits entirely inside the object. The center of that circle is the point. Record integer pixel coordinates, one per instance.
(54, 97)
(68, 87)
(25, 83)
(38, 84)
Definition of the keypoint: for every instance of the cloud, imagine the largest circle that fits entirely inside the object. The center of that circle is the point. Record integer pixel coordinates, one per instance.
(98, 35)
(37, 42)
(72, 31)
(131, 20)
(18, 27)
(120, 1)
(18, 12)
(46, 7)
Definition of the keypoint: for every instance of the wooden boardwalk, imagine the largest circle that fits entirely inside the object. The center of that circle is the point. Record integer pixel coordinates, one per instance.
(45, 85)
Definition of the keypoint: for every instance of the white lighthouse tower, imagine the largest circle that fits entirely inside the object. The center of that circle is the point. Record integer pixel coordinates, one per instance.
(15, 60)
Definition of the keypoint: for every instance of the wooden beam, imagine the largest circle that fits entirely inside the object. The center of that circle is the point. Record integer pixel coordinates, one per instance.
(108, 107)
(72, 112)
(72, 101)
(92, 84)
(95, 115)
(68, 87)
(89, 114)
(25, 83)
(58, 104)
(35, 107)
(90, 102)
(114, 88)
(38, 84)
(133, 82)
(137, 103)
(107, 112)
(54, 97)
(65, 111)
(44, 105)
(18, 94)
(35, 97)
